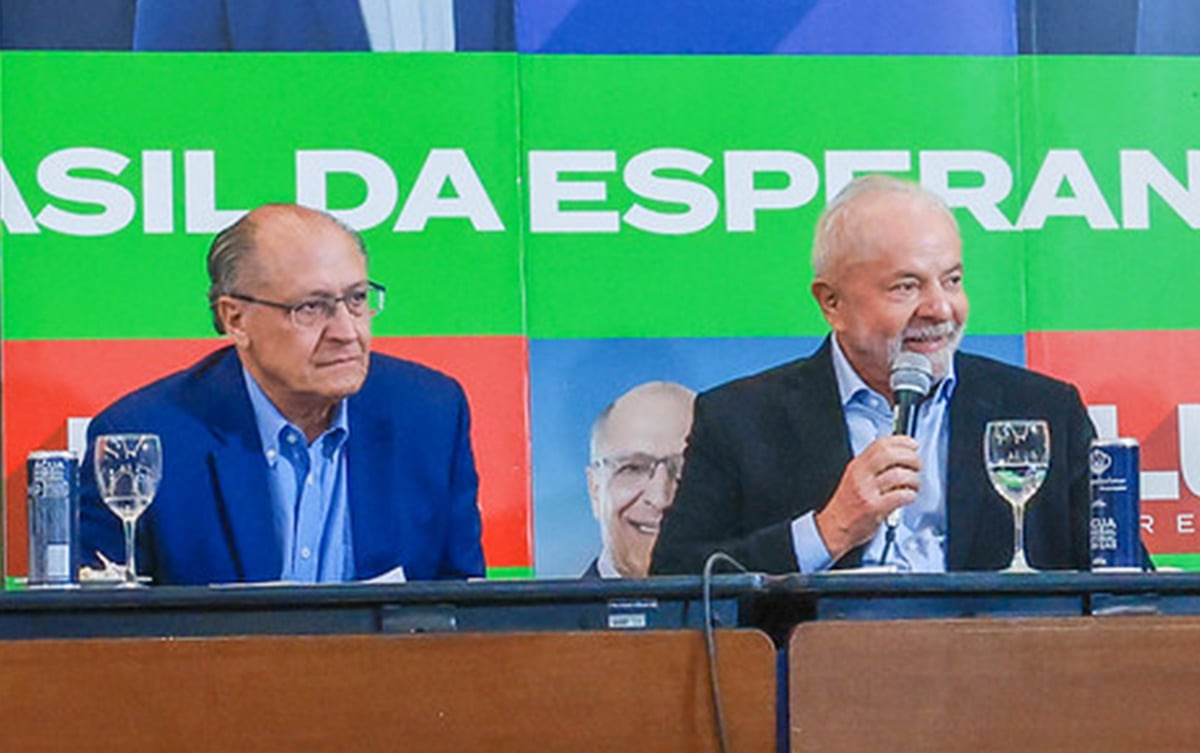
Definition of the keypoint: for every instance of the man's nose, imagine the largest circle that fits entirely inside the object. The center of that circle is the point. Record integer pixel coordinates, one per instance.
(660, 488)
(342, 324)
(935, 304)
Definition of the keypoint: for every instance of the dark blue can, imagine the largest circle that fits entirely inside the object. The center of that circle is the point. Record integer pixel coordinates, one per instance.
(52, 479)
(1116, 504)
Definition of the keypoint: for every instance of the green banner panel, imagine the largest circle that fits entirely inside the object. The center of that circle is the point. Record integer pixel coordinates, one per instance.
(568, 198)
(120, 167)
(1112, 179)
(652, 196)
(677, 196)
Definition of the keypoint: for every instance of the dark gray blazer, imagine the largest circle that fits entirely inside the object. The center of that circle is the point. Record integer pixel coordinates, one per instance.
(770, 447)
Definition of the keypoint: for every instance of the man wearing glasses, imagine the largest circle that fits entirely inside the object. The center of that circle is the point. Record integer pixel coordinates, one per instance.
(636, 460)
(297, 454)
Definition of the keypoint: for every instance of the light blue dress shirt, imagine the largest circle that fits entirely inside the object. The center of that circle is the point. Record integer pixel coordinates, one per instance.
(307, 483)
(409, 25)
(920, 544)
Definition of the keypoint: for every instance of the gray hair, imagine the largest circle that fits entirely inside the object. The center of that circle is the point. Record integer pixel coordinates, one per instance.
(231, 248)
(829, 240)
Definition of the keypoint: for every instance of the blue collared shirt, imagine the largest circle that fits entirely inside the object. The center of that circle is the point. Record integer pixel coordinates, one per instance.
(920, 544)
(307, 483)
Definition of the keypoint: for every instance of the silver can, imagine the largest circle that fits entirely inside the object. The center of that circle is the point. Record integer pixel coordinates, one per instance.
(52, 479)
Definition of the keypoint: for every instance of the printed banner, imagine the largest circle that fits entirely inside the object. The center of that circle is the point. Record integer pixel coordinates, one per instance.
(554, 230)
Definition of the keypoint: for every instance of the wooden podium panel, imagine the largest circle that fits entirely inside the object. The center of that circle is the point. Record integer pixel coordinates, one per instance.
(983, 686)
(594, 691)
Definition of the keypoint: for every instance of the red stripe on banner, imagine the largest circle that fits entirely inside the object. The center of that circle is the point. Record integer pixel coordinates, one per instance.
(45, 382)
(494, 371)
(1149, 382)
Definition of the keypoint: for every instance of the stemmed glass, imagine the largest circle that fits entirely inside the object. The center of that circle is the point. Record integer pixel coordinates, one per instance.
(1016, 453)
(128, 469)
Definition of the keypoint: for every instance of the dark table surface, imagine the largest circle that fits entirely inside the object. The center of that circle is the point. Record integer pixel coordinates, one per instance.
(750, 600)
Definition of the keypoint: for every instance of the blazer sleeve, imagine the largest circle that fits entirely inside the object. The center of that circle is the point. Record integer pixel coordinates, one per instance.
(1079, 492)
(169, 25)
(463, 556)
(710, 510)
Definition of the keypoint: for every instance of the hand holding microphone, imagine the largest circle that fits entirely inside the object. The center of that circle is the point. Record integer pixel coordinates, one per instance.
(886, 473)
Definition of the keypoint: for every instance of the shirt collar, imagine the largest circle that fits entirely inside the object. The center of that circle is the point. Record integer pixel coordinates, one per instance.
(606, 566)
(272, 424)
(850, 384)
(944, 389)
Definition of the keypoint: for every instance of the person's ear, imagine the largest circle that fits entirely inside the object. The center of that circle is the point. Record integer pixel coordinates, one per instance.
(233, 317)
(828, 299)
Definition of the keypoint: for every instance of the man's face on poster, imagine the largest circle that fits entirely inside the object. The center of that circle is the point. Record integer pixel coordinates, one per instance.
(637, 462)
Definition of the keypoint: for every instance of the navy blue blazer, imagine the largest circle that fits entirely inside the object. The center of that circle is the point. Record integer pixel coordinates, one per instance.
(593, 570)
(411, 478)
(255, 25)
(771, 447)
(296, 25)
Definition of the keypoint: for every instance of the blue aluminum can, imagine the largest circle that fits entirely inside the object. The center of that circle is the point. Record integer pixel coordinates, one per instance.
(1116, 504)
(53, 494)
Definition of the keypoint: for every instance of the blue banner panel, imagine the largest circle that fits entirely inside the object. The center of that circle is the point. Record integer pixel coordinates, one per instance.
(818, 27)
(572, 381)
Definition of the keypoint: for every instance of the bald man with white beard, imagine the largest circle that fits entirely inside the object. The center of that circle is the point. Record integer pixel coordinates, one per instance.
(796, 469)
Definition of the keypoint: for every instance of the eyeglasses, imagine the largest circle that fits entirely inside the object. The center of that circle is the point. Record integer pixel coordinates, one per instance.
(310, 312)
(636, 471)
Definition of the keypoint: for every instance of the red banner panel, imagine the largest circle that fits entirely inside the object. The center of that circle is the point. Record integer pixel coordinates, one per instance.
(1145, 385)
(48, 382)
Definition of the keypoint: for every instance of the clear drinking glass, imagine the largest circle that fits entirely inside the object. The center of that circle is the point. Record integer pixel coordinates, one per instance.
(128, 469)
(1016, 453)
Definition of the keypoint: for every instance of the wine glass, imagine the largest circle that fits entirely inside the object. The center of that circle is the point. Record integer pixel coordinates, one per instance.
(1016, 453)
(128, 469)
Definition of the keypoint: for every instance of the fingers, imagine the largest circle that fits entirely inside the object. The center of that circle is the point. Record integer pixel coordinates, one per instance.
(887, 473)
(897, 480)
(887, 452)
(885, 476)
(891, 464)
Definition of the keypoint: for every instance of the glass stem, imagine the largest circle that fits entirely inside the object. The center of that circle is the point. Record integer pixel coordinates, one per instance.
(1019, 537)
(130, 566)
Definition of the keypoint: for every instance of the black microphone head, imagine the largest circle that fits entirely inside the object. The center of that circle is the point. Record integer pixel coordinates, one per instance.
(911, 372)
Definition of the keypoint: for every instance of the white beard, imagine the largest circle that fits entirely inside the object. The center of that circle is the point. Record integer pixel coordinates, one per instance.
(939, 359)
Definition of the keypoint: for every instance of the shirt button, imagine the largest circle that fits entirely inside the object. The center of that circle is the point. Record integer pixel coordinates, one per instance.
(291, 438)
(270, 454)
(305, 552)
(309, 480)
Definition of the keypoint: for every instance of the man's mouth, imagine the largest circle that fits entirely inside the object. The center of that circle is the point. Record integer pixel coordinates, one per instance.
(644, 527)
(354, 359)
(925, 339)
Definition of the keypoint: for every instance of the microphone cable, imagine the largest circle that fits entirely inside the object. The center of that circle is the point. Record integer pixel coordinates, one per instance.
(889, 538)
(710, 642)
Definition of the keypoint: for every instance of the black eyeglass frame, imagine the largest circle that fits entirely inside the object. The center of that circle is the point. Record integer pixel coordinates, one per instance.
(328, 304)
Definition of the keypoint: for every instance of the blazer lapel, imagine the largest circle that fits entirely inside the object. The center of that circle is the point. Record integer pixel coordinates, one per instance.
(239, 473)
(377, 532)
(968, 493)
(241, 478)
(820, 423)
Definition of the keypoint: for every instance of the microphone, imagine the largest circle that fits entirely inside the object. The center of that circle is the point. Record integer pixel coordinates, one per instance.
(912, 376)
